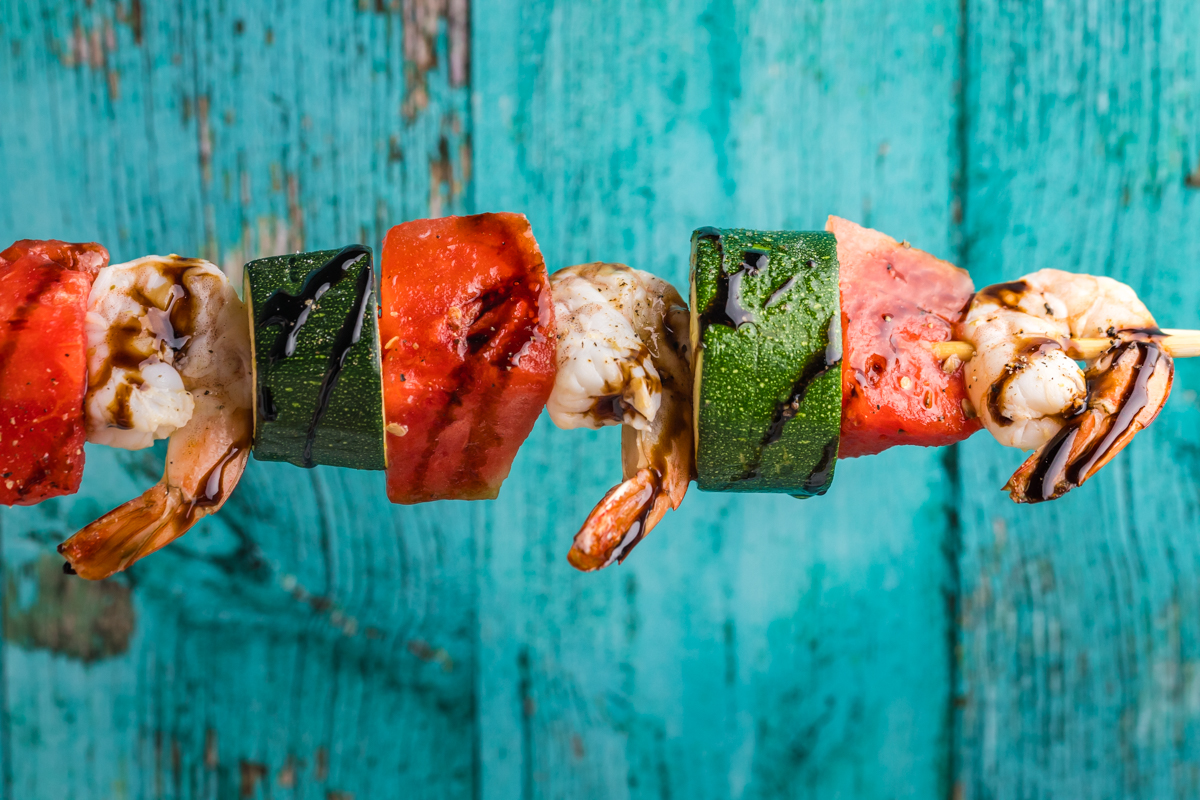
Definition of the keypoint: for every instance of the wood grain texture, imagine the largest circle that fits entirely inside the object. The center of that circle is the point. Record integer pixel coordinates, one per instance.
(297, 645)
(751, 647)
(923, 639)
(1079, 642)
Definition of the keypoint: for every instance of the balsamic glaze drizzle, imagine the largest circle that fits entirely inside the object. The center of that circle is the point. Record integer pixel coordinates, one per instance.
(815, 485)
(1006, 294)
(1135, 399)
(637, 531)
(291, 312)
(715, 312)
(728, 308)
(786, 410)
(347, 336)
(1054, 474)
(782, 291)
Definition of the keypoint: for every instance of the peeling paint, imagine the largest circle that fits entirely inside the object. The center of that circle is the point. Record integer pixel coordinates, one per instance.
(1192, 180)
(134, 17)
(250, 773)
(441, 176)
(270, 236)
(286, 777)
(85, 620)
(212, 755)
(347, 624)
(295, 215)
(427, 653)
(465, 154)
(204, 131)
(91, 48)
(422, 20)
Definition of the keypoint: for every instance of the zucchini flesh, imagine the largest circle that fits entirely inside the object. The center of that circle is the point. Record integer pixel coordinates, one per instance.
(766, 329)
(318, 381)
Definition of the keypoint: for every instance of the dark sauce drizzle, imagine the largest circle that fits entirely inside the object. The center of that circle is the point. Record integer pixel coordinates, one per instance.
(1033, 346)
(728, 306)
(781, 292)
(1053, 476)
(815, 485)
(608, 409)
(715, 313)
(1006, 294)
(172, 325)
(348, 336)
(213, 494)
(786, 410)
(637, 531)
(291, 312)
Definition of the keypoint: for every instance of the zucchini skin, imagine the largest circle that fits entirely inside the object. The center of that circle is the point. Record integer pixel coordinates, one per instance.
(766, 319)
(318, 380)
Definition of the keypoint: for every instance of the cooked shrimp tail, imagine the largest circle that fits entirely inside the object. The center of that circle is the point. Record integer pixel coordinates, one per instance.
(1029, 391)
(169, 357)
(623, 360)
(618, 522)
(148, 523)
(1127, 387)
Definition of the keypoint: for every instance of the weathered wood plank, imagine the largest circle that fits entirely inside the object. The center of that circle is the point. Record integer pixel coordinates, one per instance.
(752, 646)
(1079, 643)
(312, 641)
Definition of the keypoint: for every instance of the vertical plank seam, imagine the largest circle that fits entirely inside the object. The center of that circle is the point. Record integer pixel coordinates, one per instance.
(954, 526)
(470, 199)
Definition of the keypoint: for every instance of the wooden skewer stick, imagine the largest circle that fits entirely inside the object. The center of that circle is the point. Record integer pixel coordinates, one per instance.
(1179, 343)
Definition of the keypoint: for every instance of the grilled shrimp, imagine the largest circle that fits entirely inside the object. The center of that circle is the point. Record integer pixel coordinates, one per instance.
(623, 360)
(1029, 391)
(169, 356)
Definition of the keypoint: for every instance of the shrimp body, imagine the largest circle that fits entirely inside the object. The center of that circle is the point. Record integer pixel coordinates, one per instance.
(135, 394)
(623, 360)
(1027, 388)
(606, 373)
(177, 326)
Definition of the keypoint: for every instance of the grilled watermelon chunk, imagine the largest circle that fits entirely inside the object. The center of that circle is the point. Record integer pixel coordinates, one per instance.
(894, 389)
(469, 356)
(44, 289)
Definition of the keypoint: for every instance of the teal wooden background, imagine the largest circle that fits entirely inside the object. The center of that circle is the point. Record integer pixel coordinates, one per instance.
(912, 634)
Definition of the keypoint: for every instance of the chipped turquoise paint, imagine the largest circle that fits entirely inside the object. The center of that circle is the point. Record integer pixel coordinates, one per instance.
(908, 635)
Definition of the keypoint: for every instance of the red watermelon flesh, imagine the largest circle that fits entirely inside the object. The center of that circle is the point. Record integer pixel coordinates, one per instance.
(43, 367)
(467, 328)
(894, 390)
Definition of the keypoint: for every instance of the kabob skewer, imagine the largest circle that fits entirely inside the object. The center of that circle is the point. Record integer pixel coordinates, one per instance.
(797, 349)
(1177, 342)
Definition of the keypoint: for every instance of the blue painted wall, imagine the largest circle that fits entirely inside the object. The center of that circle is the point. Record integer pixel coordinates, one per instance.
(912, 634)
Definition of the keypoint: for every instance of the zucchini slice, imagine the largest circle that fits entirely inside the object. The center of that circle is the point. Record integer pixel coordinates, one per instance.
(766, 331)
(318, 382)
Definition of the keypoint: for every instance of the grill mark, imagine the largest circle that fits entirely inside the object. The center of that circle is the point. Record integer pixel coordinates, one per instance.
(516, 300)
